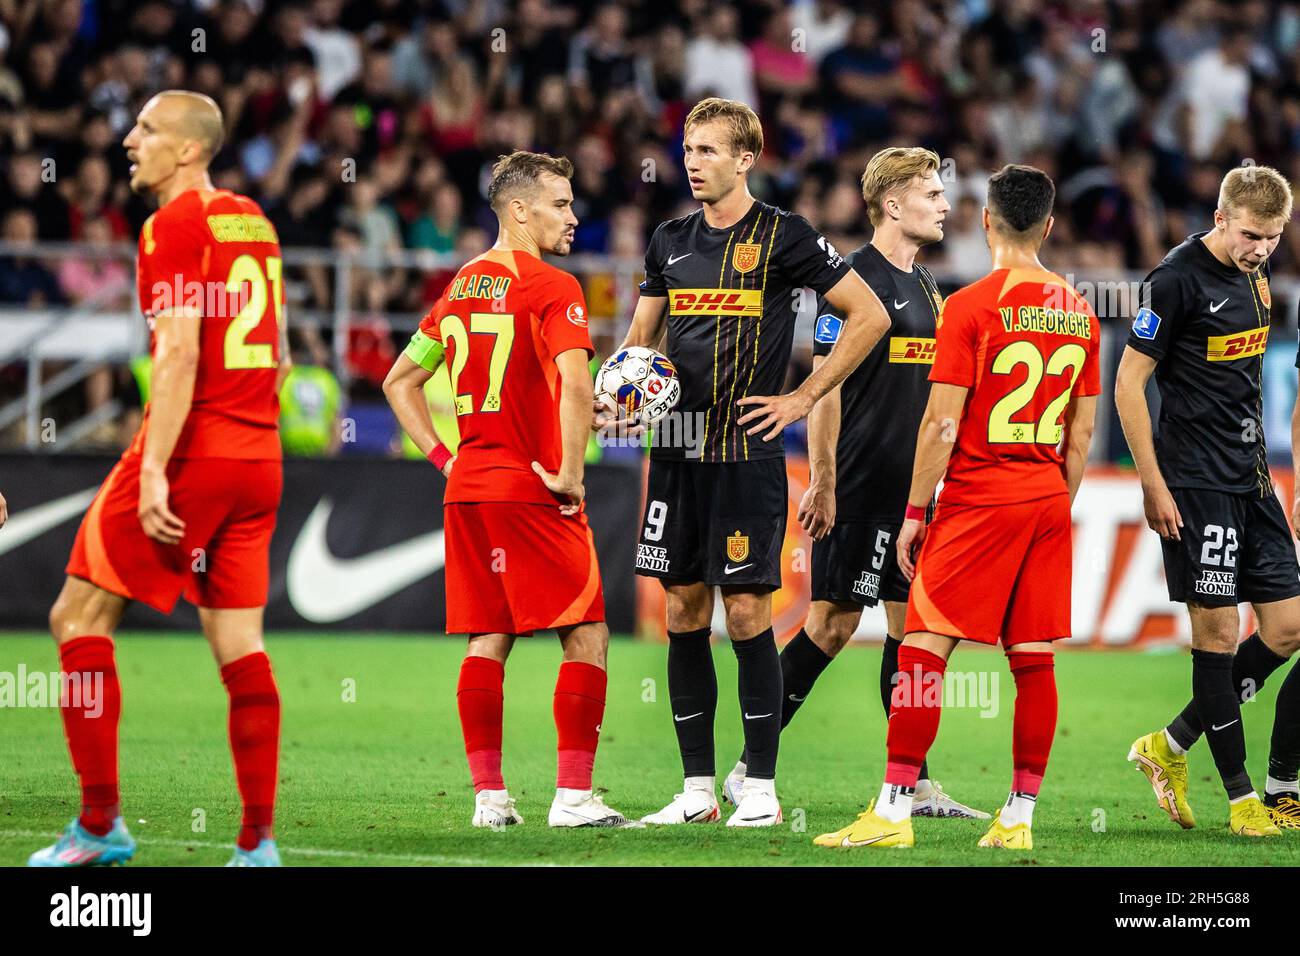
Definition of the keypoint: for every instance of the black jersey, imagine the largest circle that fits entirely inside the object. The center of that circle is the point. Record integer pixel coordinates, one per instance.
(1207, 324)
(733, 297)
(883, 399)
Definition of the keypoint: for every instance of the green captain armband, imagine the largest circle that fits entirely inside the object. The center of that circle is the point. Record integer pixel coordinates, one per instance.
(424, 351)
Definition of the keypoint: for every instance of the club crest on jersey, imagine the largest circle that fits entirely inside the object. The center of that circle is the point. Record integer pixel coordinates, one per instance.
(828, 329)
(738, 546)
(745, 256)
(1146, 324)
(577, 314)
(1225, 348)
(1261, 286)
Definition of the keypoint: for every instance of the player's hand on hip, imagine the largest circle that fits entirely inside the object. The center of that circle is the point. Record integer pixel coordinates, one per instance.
(910, 538)
(4, 511)
(1295, 515)
(817, 510)
(155, 516)
(1162, 511)
(565, 487)
(773, 412)
(446, 469)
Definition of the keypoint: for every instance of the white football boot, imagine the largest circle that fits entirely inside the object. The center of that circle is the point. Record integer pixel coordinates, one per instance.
(933, 802)
(733, 788)
(757, 808)
(690, 806)
(582, 808)
(495, 809)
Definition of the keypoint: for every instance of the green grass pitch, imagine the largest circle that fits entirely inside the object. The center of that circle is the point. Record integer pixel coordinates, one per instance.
(382, 780)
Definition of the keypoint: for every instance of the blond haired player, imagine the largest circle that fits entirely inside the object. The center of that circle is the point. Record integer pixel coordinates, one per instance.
(1202, 330)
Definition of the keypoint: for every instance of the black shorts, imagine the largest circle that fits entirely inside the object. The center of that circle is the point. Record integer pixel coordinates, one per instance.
(858, 562)
(1234, 548)
(718, 523)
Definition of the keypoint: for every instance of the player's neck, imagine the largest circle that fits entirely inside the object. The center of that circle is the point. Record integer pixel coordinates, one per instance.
(1011, 256)
(897, 249)
(517, 241)
(182, 182)
(730, 209)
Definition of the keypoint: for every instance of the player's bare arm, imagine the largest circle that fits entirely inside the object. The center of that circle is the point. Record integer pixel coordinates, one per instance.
(817, 509)
(934, 444)
(175, 365)
(285, 365)
(649, 322)
(404, 389)
(4, 511)
(1080, 416)
(576, 398)
(865, 322)
(1135, 370)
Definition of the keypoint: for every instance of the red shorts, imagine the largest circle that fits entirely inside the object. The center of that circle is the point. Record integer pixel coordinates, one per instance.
(986, 572)
(228, 506)
(515, 568)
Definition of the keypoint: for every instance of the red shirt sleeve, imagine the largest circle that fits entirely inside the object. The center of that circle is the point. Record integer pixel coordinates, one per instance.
(173, 250)
(1089, 382)
(955, 343)
(429, 324)
(563, 312)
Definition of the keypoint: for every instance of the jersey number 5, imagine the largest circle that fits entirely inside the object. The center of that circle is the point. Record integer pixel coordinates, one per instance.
(1002, 430)
(239, 354)
(501, 327)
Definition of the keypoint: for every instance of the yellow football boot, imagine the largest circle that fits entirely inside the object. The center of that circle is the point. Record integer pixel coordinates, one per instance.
(1250, 818)
(870, 830)
(1285, 811)
(1017, 837)
(1167, 772)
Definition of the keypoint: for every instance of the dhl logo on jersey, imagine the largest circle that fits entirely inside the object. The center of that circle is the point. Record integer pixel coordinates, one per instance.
(911, 351)
(715, 301)
(1226, 348)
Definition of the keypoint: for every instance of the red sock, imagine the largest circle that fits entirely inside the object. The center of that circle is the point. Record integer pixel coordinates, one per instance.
(914, 714)
(1035, 719)
(479, 697)
(254, 726)
(579, 709)
(90, 725)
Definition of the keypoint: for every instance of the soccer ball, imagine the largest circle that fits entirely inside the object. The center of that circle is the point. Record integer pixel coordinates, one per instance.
(638, 383)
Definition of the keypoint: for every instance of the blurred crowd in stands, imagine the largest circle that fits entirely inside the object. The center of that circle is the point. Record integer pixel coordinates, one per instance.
(369, 126)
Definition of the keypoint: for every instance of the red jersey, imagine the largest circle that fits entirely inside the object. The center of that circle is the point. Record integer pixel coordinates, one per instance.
(502, 321)
(215, 251)
(1024, 342)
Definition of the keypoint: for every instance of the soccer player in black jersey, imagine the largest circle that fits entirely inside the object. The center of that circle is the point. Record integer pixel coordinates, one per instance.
(861, 442)
(727, 281)
(1204, 323)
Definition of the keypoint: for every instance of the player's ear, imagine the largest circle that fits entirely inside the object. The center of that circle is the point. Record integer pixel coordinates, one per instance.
(1047, 228)
(984, 218)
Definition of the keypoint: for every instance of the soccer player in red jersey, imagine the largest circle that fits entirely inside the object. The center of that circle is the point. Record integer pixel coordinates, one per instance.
(519, 553)
(191, 505)
(1008, 423)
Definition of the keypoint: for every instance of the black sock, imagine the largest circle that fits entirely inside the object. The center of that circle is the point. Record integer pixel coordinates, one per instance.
(759, 677)
(888, 675)
(693, 691)
(1284, 749)
(1219, 708)
(1251, 666)
(802, 662)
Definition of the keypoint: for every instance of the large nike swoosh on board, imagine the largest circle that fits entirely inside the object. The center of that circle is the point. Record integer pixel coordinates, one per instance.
(33, 522)
(324, 588)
